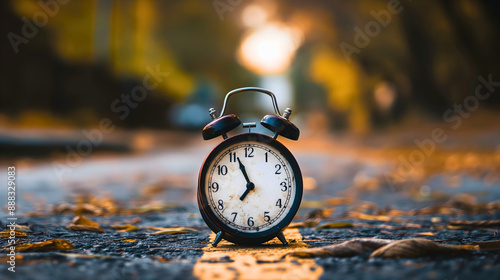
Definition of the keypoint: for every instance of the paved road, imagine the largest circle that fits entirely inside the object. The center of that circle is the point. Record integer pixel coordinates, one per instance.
(158, 186)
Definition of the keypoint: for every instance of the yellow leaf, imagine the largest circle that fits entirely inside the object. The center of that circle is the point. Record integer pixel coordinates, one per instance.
(303, 224)
(173, 231)
(85, 228)
(18, 233)
(320, 213)
(311, 204)
(46, 246)
(335, 225)
(128, 240)
(473, 224)
(124, 228)
(84, 221)
(339, 201)
(373, 217)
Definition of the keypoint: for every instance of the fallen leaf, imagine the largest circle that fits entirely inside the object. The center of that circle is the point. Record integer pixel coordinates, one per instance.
(84, 256)
(474, 224)
(18, 233)
(363, 216)
(85, 228)
(426, 233)
(124, 228)
(311, 204)
(46, 246)
(419, 247)
(339, 201)
(23, 228)
(303, 224)
(88, 209)
(336, 225)
(135, 220)
(173, 231)
(320, 213)
(7, 258)
(345, 249)
(84, 221)
(128, 240)
(492, 245)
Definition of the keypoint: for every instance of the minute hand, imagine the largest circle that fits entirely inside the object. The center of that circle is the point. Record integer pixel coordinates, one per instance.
(242, 168)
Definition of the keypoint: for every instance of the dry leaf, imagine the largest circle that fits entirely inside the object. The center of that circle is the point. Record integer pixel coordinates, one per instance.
(46, 246)
(493, 245)
(84, 256)
(345, 249)
(419, 247)
(128, 240)
(474, 224)
(426, 233)
(84, 221)
(362, 216)
(339, 201)
(320, 213)
(173, 231)
(88, 209)
(336, 225)
(135, 220)
(85, 228)
(125, 228)
(23, 228)
(303, 224)
(6, 233)
(311, 204)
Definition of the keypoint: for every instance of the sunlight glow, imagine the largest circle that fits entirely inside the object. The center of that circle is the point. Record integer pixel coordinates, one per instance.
(269, 49)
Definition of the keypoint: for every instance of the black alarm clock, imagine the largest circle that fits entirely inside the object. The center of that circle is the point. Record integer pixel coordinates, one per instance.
(250, 185)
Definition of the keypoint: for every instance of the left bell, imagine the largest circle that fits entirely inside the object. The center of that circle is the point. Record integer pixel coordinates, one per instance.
(220, 126)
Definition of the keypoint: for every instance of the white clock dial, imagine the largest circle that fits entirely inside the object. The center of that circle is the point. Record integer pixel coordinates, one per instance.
(257, 201)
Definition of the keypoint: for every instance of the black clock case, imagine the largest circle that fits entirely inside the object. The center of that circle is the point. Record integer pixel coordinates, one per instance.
(233, 235)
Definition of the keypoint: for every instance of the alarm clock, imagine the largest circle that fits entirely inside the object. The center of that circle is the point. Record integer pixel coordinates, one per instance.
(250, 185)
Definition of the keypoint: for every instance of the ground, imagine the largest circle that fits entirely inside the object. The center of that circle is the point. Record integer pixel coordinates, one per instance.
(355, 188)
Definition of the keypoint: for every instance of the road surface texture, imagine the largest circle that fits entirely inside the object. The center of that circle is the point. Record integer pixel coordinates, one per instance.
(147, 224)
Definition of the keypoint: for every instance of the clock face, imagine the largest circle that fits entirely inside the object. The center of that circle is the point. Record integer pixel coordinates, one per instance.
(251, 185)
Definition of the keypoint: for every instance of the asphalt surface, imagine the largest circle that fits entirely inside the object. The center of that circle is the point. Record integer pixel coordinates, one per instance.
(159, 187)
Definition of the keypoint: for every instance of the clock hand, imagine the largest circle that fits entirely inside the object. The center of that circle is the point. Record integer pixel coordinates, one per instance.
(243, 170)
(250, 186)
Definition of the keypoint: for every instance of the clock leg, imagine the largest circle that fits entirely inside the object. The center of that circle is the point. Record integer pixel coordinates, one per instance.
(218, 238)
(282, 238)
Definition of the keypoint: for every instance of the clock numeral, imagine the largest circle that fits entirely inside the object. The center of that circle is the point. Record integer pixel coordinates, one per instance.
(221, 204)
(215, 187)
(232, 157)
(249, 152)
(283, 186)
(265, 155)
(278, 169)
(221, 169)
(235, 214)
(278, 203)
(250, 222)
(267, 218)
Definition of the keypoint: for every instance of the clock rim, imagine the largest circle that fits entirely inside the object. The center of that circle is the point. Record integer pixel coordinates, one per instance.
(217, 225)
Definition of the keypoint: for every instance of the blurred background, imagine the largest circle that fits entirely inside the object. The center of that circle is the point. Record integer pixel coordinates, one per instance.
(364, 78)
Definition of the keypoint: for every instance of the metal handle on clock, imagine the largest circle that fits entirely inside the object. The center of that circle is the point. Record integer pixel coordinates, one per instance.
(238, 90)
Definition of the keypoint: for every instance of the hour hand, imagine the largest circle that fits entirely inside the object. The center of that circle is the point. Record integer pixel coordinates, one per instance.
(250, 186)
